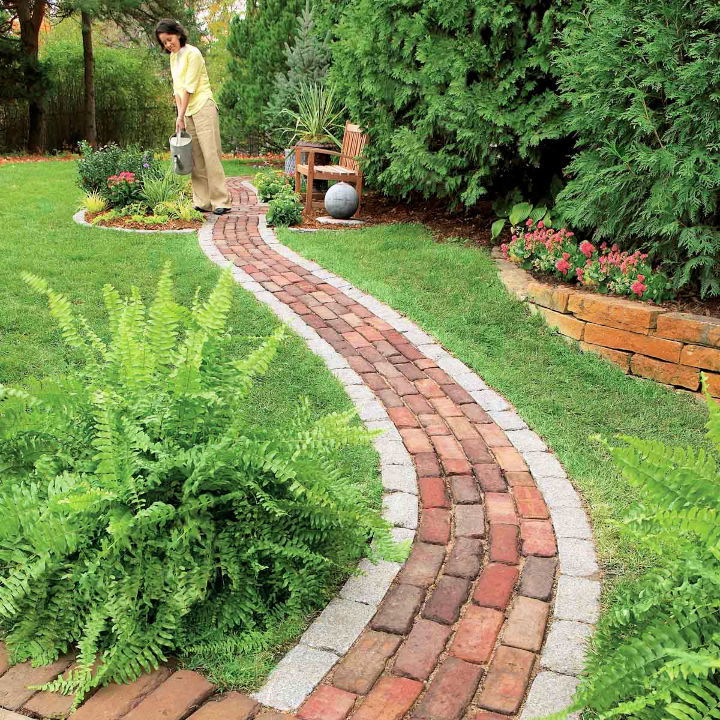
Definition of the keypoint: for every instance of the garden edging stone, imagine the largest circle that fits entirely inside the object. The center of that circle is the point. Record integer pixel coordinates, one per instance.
(79, 218)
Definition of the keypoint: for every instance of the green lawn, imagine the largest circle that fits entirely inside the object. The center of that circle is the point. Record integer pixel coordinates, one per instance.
(453, 292)
(39, 236)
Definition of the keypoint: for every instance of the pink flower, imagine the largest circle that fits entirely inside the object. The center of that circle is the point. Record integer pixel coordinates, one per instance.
(641, 278)
(529, 222)
(541, 224)
(638, 288)
(504, 250)
(587, 248)
(563, 266)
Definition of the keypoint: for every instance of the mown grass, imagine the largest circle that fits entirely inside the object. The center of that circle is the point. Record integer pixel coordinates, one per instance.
(453, 291)
(39, 236)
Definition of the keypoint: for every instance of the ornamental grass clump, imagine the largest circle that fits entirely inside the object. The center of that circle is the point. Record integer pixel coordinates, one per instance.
(142, 513)
(604, 268)
(656, 653)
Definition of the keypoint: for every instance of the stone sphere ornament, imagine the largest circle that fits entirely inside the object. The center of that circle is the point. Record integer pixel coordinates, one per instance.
(341, 201)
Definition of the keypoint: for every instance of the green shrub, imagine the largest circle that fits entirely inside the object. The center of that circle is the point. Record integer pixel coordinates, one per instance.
(656, 653)
(286, 208)
(97, 165)
(132, 93)
(94, 202)
(458, 97)
(140, 514)
(168, 187)
(641, 79)
(270, 183)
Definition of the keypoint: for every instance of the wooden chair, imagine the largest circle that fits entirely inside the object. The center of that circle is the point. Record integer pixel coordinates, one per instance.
(347, 169)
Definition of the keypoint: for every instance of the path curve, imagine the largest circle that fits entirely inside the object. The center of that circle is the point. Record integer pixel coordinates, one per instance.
(482, 622)
(488, 618)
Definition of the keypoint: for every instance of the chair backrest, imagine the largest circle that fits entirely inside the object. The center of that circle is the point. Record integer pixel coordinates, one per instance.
(354, 142)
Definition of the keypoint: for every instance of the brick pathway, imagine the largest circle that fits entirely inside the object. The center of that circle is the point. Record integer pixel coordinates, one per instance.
(459, 633)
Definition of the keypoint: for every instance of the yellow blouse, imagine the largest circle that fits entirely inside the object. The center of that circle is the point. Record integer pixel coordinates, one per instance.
(187, 67)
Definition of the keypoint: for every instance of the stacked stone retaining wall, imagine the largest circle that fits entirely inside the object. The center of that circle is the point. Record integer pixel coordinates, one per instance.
(672, 348)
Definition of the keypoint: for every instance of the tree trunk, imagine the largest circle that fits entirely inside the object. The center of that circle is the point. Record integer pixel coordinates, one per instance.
(89, 64)
(31, 15)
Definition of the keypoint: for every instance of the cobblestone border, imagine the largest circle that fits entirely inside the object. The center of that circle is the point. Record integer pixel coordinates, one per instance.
(576, 605)
(79, 218)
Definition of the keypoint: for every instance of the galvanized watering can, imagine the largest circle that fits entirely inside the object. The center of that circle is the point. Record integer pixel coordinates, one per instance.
(181, 153)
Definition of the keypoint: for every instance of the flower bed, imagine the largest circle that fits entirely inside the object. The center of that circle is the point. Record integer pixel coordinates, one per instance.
(644, 339)
(605, 268)
(127, 188)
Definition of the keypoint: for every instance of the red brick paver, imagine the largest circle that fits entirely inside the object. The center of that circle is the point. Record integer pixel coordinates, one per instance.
(459, 632)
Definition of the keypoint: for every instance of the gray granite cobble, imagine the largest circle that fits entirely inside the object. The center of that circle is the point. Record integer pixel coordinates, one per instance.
(338, 625)
(389, 431)
(295, 677)
(508, 420)
(469, 381)
(489, 400)
(370, 587)
(550, 693)
(400, 478)
(558, 492)
(543, 464)
(577, 599)
(564, 650)
(371, 410)
(347, 377)
(359, 392)
(571, 523)
(393, 452)
(417, 337)
(577, 557)
(401, 509)
(452, 366)
(526, 440)
(434, 352)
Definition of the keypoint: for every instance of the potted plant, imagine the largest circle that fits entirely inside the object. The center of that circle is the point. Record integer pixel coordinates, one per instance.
(316, 123)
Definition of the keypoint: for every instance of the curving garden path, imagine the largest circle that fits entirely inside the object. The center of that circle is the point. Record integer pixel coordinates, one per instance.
(486, 620)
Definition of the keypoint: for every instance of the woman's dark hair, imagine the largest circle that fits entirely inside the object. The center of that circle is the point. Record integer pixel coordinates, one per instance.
(170, 27)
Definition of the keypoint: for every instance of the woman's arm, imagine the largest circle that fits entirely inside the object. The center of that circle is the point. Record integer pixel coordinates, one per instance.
(182, 103)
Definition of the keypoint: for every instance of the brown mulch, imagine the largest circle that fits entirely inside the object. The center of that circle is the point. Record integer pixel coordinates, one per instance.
(6, 159)
(379, 210)
(475, 226)
(130, 225)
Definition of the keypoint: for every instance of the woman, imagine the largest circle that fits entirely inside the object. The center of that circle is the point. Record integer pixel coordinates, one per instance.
(197, 113)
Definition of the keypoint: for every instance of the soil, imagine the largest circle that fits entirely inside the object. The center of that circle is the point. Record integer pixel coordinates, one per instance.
(475, 225)
(5, 159)
(130, 225)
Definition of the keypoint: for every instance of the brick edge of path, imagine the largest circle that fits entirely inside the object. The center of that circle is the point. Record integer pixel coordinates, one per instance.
(442, 637)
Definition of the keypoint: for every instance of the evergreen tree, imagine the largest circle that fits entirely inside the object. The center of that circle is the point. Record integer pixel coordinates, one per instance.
(256, 45)
(641, 78)
(458, 97)
(307, 61)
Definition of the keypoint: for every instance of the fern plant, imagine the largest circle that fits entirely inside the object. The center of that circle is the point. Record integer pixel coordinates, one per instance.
(140, 514)
(656, 654)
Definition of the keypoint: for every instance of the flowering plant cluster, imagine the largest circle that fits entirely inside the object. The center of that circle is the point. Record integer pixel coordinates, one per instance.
(604, 268)
(123, 189)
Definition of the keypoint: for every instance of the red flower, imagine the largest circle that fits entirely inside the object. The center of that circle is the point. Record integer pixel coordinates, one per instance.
(587, 248)
(638, 288)
(563, 266)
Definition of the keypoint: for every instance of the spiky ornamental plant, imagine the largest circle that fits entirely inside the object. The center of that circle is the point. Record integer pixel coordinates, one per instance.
(656, 654)
(139, 514)
(641, 78)
(458, 97)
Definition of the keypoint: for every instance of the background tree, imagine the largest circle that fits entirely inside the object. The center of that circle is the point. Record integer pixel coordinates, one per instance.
(256, 46)
(307, 61)
(459, 98)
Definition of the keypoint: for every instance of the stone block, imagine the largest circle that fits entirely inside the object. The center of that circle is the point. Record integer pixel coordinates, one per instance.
(338, 626)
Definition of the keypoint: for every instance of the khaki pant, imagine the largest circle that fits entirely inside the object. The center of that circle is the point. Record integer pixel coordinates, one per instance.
(208, 176)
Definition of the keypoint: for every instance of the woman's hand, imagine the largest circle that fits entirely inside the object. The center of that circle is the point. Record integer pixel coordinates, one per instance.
(179, 124)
